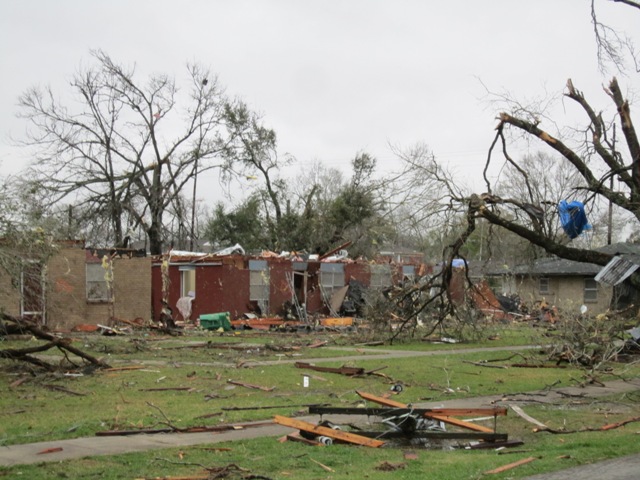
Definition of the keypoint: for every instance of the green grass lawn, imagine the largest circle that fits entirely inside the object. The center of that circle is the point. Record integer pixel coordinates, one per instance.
(198, 392)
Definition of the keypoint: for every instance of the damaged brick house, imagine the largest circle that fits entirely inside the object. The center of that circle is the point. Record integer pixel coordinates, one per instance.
(268, 284)
(71, 288)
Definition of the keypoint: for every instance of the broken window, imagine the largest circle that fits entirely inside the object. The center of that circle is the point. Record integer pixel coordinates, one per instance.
(543, 285)
(32, 300)
(96, 284)
(380, 276)
(331, 277)
(590, 290)
(259, 283)
(409, 272)
(187, 280)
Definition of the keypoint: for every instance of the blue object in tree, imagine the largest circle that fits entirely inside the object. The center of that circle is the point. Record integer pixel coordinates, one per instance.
(573, 218)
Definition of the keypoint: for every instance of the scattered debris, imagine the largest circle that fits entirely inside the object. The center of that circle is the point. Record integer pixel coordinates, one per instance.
(402, 423)
(442, 417)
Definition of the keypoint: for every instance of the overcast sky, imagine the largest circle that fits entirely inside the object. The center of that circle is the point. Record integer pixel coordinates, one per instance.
(331, 77)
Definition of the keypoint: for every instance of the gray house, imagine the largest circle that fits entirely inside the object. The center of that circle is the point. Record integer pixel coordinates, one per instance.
(568, 284)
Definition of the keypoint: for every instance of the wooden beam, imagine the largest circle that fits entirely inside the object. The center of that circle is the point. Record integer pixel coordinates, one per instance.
(382, 401)
(441, 418)
(509, 466)
(384, 412)
(327, 432)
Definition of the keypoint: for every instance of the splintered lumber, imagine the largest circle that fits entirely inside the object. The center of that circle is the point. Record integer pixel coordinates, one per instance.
(509, 466)
(442, 418)
(327, 432)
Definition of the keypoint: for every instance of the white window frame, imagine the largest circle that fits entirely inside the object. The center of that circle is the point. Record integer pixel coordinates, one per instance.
(331, 277)
(259, 280)
(97, 290)
(260, 284)
(590, 290)
(187, 280)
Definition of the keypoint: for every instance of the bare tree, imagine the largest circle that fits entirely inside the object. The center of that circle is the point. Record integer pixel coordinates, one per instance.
(613, 47)
(125, 149)
(539, 182)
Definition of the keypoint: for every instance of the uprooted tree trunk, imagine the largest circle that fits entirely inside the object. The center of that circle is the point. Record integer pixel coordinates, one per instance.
(10, 324)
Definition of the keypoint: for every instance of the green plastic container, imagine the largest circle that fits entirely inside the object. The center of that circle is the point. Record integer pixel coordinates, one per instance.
(215, 321)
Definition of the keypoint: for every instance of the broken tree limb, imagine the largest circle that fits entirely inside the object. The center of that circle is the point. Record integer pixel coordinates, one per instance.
(530, 365)
(604, 428)
(63, 344)
(200, 429)
(167, 389)
(349, 371)
(63, 390)
(483, 364)
(249, 385)
(267, 407)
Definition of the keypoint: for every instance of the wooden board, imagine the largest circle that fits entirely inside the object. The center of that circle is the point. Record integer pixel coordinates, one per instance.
(382, 401)
(460, 423)
(327, 432)
(447, 412)
(442, 418)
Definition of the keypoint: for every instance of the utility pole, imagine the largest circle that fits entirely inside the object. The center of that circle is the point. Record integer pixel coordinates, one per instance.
(610, 213)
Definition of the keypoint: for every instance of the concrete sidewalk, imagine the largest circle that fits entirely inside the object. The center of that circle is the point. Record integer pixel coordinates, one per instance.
(93, 446)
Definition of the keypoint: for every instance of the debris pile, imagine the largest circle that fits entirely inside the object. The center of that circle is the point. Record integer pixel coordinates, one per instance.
(402, 425)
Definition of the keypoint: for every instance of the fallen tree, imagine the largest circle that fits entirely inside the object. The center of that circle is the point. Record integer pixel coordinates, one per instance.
(10, 324)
